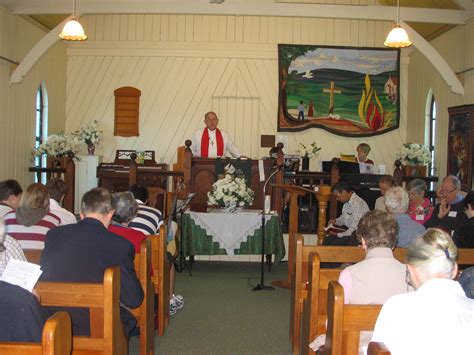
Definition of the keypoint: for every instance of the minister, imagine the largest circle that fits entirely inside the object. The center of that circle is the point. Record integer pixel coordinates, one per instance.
(211, 142)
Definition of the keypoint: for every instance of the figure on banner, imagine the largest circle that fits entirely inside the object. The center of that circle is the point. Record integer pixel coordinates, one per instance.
(211, 142)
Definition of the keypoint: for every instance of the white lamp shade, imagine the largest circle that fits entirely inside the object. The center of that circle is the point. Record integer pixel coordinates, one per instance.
(397, 38)
(73, 31)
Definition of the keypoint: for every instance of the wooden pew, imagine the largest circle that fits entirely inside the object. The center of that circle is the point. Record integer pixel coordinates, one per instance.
(345, 322)
(55, 340)
(145, 314)
(376, 348)
(33, 255)
(103, 300)
(161, 277)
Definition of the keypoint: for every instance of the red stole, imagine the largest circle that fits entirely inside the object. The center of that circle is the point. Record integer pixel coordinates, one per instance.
(205, 143)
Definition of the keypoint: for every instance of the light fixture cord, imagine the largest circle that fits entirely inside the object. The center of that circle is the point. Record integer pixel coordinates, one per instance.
(73, 9)
(398, 11)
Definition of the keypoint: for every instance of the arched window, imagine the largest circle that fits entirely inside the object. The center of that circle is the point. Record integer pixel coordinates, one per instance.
(430, 136)
(41, 124)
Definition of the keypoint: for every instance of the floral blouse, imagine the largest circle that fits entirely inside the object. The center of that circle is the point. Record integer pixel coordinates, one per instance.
(421, 213)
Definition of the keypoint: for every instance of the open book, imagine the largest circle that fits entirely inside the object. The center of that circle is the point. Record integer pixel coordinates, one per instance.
(22, 273)
(334, 229)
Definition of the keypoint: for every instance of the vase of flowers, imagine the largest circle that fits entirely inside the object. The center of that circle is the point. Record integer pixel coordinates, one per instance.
(414, 158)
(59, 146)
(90, 135)
(307, 153)
(230, 192)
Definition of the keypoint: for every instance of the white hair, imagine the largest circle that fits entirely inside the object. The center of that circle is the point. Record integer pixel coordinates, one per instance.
(396, 200)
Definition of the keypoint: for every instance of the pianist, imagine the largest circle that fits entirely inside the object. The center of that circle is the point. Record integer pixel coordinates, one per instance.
(211, 142)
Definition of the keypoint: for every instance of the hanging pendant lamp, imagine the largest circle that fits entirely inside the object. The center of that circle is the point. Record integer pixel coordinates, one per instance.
(397, 38)
(72, 30)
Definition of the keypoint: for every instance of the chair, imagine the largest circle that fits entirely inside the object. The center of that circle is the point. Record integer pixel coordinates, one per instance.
(55, 340)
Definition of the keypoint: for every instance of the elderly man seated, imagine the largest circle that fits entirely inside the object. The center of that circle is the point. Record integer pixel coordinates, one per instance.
(396, 203)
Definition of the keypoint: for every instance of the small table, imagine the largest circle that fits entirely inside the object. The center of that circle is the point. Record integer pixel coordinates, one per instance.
(239, 233)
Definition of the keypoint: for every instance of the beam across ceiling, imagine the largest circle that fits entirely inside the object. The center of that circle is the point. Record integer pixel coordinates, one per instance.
(240, 7)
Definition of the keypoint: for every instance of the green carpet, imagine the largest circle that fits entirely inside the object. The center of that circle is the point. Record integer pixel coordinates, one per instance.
(222, 315)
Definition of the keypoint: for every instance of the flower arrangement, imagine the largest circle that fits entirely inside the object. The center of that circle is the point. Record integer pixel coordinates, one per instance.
(59, 145)
(231, 191)
(89, 134)
(414, 154)
(308, 152)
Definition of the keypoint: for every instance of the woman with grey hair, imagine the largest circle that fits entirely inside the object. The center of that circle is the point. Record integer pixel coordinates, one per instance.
(420, 208)
(9, 248)
(396, 203)
(436, 319)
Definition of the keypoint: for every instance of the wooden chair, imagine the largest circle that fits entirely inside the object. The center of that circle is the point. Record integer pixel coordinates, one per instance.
(33, 255)
(376, 348)
(55, 340)
(161, 277)
(345, 322)
(103, 300)
(145, 314)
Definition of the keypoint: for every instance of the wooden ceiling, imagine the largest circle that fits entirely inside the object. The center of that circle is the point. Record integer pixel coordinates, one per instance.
(427, 30)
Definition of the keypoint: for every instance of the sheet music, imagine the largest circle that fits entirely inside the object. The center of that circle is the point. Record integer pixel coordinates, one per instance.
(22, 273)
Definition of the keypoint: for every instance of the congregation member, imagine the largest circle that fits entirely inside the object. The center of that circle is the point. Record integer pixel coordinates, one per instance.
(148, 220)
(57, 189)
(379, 276)
(32, 219)
(82, 252)
(464, 235)
(385, 182)
(437, 318)
(211, 142)
(10, 193)
(363, 151)
(420, 207)
(353, 209)
(396, 203)
(9, 248)
(449, 213)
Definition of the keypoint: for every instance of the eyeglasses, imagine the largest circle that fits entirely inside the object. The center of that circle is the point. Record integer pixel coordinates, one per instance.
(444, 192)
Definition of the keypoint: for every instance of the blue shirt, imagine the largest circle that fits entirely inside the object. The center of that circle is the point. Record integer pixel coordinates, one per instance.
(408, 229)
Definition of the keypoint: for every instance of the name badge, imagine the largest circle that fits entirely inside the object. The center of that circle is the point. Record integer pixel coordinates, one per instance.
(452, 214)
(420, 217)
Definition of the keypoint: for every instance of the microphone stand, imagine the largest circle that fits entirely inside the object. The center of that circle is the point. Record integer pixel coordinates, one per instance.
(261, 285)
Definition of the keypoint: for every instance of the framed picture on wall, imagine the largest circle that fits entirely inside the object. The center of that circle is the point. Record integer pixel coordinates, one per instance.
(461, 144)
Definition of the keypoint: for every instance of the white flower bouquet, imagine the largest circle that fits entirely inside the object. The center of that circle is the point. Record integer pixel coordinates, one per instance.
(230, 190)
(414, 154)
(59, 145)
(308, 152)
(89, 134)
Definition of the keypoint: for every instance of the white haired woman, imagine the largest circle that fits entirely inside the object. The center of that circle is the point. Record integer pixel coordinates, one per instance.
(437, 318)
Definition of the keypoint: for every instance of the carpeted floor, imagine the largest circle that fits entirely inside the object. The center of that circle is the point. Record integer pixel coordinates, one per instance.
(222, 315)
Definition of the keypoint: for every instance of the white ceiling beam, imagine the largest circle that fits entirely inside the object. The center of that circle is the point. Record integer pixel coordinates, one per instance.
(465, 4)
(36, 52)
(435, 58)
(239, 7)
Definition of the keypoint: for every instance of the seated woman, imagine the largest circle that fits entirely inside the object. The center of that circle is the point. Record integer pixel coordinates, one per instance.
(32, 219)
(463, 236)
(436, 319)
(9, 248)
(420, 207)
(363, 151)
(385, 183)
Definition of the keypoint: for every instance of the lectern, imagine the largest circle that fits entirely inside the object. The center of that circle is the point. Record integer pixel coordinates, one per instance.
(294, 192)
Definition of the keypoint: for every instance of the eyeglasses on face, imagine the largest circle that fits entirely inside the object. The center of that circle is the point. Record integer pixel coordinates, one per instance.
(446, 192)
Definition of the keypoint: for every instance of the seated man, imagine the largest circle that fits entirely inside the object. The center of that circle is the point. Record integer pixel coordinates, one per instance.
(10, 193)
(211, 142)
(396, 203)
(81, 252)
(57, 190)
(354, 208)
(148, 220)
(463, 236)
(449, 213)
(385, 182)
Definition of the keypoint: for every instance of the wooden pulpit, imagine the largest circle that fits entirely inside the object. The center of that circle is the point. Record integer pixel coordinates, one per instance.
(294, 192)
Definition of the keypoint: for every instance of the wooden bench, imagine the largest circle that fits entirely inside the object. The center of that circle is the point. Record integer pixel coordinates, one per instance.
(55, 340)
(161, 277)
(145, 314)
(376, 348)
(33, 255)
(345, 322)
(103, 300)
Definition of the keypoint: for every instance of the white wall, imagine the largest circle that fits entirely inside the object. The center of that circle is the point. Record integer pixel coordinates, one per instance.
(456, 47)
(186, 65)
(17, 102)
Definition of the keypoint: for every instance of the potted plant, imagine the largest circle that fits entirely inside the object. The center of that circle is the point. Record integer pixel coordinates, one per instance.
(414, 158)
(57, 148)
(90, 135)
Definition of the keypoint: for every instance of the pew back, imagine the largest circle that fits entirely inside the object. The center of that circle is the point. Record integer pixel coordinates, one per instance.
(55, 340)
(103, 301)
